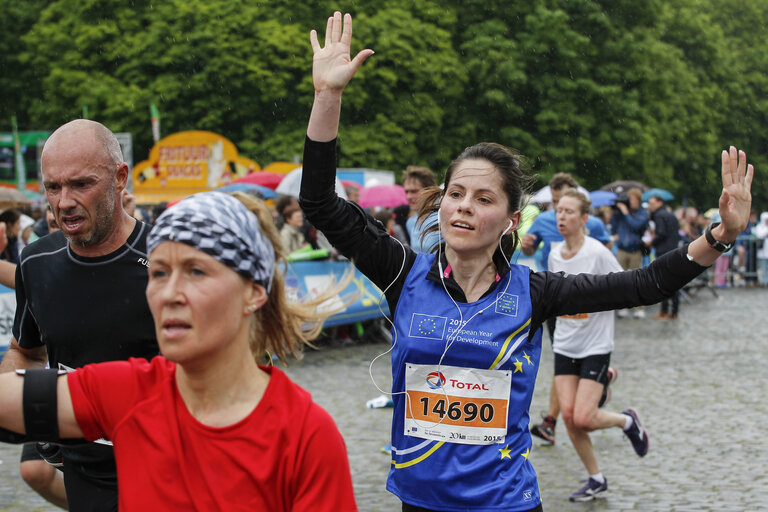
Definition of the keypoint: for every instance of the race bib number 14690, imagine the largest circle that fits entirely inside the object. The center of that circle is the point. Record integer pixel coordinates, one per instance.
(456, 405)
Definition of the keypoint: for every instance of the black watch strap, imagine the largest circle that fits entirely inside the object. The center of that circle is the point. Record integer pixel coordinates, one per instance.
(715, 244)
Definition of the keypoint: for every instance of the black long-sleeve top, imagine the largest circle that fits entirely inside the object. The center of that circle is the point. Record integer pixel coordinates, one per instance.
(365, 241)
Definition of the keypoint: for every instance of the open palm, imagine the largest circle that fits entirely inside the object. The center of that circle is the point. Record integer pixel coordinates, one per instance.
(736, 199)
(332, 67)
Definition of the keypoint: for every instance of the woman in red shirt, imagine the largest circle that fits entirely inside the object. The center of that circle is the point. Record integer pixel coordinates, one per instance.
(204, 427)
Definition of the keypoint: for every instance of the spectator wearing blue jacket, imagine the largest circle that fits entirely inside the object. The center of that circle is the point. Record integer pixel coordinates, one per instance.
(628, 223)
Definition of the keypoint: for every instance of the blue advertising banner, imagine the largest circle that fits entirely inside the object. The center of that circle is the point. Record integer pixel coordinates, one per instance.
(310, 278)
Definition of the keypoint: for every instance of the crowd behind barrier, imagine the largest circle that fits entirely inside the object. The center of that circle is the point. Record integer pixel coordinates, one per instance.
(746, 265)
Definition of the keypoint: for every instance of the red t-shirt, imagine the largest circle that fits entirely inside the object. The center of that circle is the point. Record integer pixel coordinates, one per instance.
(287, 455)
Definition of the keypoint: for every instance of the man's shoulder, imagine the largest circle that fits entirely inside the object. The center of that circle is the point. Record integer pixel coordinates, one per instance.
(543, 220)
(49, 244)
(140, 240)
(667, 214)
(594, 222)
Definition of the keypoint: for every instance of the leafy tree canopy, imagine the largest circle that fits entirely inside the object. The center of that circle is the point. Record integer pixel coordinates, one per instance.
(604, 89)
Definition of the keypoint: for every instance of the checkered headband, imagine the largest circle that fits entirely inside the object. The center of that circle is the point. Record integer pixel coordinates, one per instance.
(222, 227)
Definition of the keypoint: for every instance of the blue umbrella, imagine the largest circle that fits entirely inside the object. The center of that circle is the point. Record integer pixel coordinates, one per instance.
(266, 193)
(602, 198)
(665, 195)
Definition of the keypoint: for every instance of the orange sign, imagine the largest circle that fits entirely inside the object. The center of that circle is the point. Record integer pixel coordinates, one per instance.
(188, 162)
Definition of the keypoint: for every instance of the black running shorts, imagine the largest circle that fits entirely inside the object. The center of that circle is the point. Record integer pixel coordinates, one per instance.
(591, 367)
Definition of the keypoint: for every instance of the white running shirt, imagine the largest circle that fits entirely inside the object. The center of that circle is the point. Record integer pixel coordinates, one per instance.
(585, 334)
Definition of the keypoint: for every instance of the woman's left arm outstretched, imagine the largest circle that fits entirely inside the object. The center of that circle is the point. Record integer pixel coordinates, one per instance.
(12, 406)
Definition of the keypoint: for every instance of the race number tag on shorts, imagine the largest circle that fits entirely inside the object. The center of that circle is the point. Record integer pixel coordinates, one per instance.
(456, 405)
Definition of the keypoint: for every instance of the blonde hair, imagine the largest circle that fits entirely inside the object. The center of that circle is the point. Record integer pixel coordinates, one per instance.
(584, 202)
(282, 327)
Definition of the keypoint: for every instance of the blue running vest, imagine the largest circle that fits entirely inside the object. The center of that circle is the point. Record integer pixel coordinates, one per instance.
(443, 475)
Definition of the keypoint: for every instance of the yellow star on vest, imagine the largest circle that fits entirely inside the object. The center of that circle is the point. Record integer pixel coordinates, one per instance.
(526, 453)
(518, 366)
(527, 358)
(505, 452)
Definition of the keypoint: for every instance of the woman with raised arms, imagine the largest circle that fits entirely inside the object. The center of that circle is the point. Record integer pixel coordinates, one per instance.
(466, 335)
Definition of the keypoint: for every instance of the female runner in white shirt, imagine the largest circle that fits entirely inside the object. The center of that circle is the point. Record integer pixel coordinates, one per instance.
(583, 345)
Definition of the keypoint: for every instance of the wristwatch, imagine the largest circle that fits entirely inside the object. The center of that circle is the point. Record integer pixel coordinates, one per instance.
(715, 244)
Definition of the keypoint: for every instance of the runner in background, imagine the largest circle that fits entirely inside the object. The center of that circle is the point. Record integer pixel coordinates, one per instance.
(583, 345)
(544, 232)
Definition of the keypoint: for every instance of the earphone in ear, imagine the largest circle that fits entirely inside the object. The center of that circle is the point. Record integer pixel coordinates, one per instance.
(509, 226)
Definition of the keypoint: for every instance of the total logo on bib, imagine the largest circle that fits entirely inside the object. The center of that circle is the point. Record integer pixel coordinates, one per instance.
(455, 404)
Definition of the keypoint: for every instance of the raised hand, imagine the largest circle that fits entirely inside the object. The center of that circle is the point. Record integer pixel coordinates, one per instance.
(736, 199)
(332, 68)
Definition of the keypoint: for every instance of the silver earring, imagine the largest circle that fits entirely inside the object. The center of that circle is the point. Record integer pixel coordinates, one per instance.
(251, 308)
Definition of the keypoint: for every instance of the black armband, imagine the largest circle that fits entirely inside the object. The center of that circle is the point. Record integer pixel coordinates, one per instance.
(9, 436)
(40, 399)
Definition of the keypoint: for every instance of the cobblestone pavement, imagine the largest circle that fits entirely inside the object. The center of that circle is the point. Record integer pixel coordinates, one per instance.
(698, 383)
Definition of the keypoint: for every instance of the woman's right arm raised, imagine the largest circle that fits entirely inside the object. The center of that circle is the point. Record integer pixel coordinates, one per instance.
(332, 69)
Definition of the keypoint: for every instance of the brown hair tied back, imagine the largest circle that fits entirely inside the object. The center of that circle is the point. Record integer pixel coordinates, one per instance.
(515, 183)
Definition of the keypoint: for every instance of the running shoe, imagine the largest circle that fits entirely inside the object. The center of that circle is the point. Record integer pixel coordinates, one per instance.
(637, 434)
(613, 374)
(51, 453)
(591, 490)
(386, 449)
(545, 429)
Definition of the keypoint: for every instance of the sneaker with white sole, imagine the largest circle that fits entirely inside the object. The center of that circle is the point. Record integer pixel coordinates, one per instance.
(639, 313)
(637, 434)
(591, 490)
(622, 313)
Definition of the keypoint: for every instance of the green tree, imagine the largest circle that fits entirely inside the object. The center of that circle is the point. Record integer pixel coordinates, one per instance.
(604, 89)
(20, 84)
(743, 76)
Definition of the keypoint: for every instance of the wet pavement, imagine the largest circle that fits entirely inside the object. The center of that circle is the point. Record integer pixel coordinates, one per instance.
(698, 382)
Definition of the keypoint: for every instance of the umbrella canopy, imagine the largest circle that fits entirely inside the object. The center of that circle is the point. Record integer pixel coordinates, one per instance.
(350, 183)
(602, 198)
(265, 179)
(292, 183)
(665, 195)
(12, 198)
(386, 196)
(266, 193)
(622, 186)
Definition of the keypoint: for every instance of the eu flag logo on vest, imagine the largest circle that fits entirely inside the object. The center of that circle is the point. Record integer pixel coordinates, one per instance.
(506, 304)
(427, 326)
